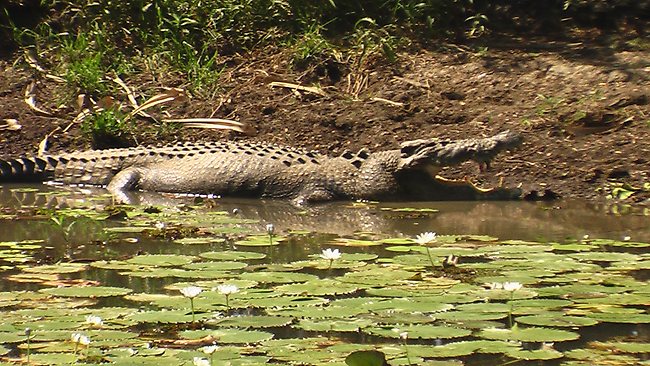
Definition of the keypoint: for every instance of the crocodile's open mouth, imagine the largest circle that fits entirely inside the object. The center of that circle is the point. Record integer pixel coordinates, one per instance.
(467, 182)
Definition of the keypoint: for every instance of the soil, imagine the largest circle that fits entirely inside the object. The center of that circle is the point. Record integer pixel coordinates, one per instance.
(581, 104)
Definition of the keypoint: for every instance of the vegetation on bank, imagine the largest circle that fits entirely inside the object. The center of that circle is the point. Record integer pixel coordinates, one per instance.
(84, 42)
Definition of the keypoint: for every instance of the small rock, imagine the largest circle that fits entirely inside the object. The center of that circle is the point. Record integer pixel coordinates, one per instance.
(617, 76)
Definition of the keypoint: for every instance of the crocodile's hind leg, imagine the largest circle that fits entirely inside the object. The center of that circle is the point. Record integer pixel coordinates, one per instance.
(123, 182)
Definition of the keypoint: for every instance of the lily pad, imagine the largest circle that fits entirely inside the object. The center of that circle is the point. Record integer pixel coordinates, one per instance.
(261, 241)
(257, 321)
(320, 287)
(60, 268)
(161, 260)
(232, 255)
(230, 336)
(556, 320)
(419, 331)
(88, 291)
(199, 241)
(533, 334)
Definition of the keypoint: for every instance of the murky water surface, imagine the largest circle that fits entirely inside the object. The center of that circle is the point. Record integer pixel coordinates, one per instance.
(583, 271)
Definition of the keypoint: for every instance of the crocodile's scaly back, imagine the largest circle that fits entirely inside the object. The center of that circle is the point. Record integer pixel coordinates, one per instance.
(98, 167)
(259, 170)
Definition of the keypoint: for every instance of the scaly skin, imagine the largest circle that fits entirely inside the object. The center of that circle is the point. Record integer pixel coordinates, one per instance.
(261, 170)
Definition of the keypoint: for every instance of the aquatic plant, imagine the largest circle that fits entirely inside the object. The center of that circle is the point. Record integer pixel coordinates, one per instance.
(94, 321)
(330, 255)
(80, 340)
(424, 239)
(210, 350)
(227, 290)
(28, 334)
(270, 229)
(191, 292)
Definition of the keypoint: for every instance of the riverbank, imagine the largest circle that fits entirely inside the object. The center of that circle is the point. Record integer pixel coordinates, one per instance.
(581, 103)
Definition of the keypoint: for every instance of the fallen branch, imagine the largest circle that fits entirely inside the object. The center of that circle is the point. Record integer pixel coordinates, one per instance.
(212, 123)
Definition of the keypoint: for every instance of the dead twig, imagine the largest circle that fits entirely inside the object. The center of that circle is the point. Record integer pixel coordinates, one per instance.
(308, 89)
(389, 102)
(168, 96)
(30, 99)
(11, 124)
(130, 96)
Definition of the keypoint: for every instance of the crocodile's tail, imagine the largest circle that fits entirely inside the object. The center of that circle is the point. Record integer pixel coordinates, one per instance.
(27, 169)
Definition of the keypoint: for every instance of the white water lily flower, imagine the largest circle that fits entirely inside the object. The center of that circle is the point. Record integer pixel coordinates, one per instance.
(210, 349)
(94, 321)
(227, 289)
(79, 338)
(330, 254)
(270, 229)
(191, 291)
(200, 361)
(425, 238)
(512, 286)
(404, 335)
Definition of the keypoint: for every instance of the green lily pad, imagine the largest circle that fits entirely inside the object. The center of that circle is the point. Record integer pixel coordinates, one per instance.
(331, 325)
(463, 348)
(257, 321)
(463, 316)
(261, 241)
(346, 242)
(229, 336)
(541, 354)
(232, 255)
(161, 260)
(621, 318)
(320, 287)
(89, 291)
(419, 331)
(366, 358)
(277, 277)
(199, 241)
(529, 334)
(605, 257)
(60, 268)
(165, 316)
(556, 320)
(216, 266)
(286, 301)
(623, 347)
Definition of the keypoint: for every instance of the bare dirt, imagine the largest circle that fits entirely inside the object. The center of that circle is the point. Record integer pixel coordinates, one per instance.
(582, 106)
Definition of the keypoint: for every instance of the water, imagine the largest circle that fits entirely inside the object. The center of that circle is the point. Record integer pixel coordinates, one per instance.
(552, 221)
(55, 218)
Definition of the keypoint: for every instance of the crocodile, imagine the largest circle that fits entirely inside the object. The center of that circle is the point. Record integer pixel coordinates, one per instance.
(248, 169)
